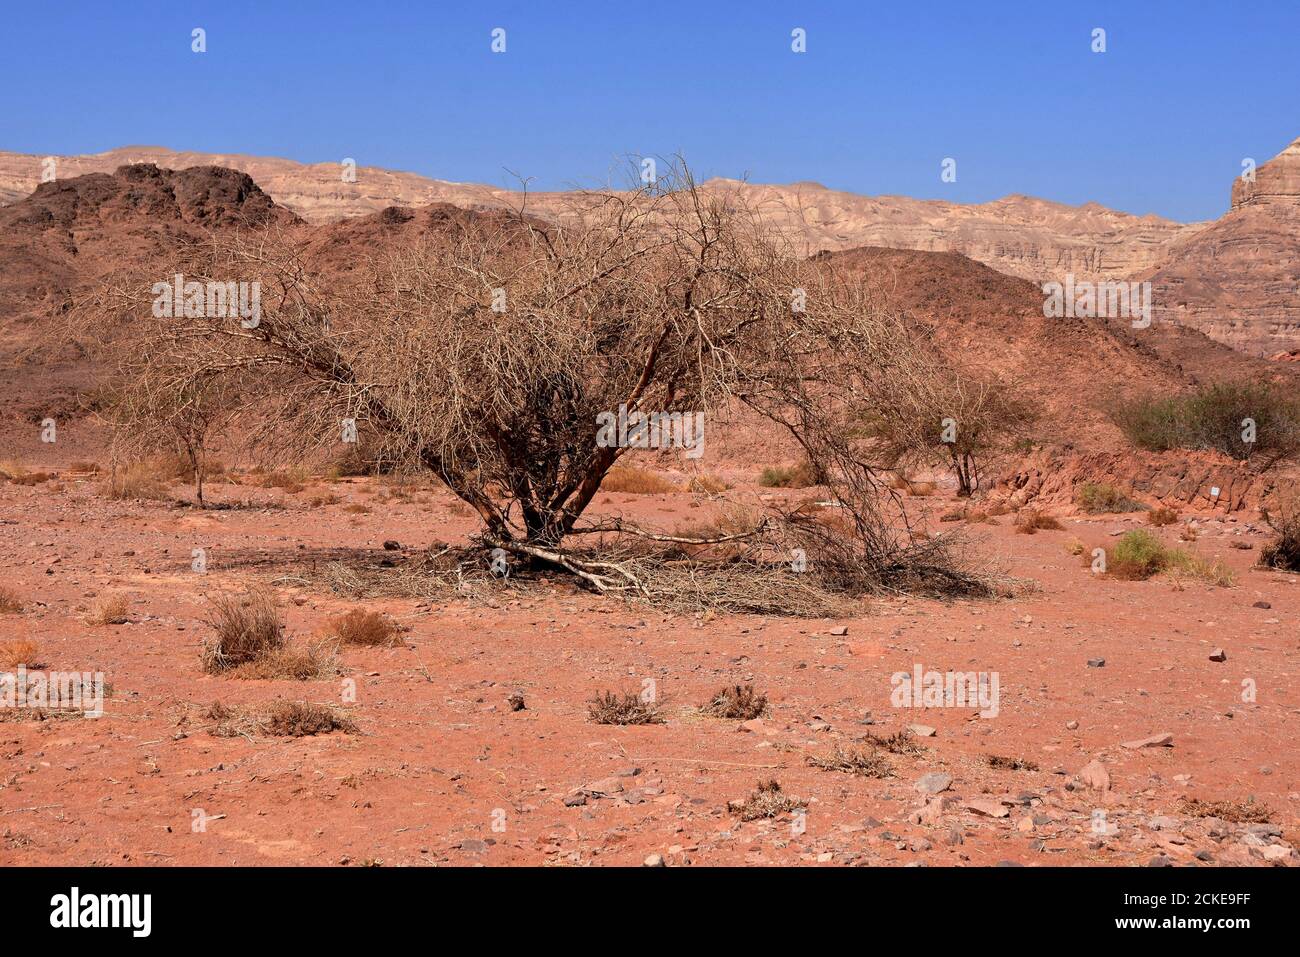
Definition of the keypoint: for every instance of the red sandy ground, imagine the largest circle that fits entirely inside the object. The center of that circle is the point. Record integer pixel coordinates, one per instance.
(440, 756)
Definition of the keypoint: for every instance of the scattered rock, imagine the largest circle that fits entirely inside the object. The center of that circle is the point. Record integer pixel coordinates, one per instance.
(516, 702)
(1094, 775)
(1072, 725)
(654, 860)
(839, 631)
(1261, 604)
(1096, 662)
(922, 730)
(934, 783)
(1155, 741)
(1218, 654)
(987, 807)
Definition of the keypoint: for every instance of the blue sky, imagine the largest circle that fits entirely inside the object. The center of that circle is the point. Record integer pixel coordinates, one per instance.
(1158, 123)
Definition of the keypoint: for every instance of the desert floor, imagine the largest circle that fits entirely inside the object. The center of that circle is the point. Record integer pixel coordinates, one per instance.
(442, 771)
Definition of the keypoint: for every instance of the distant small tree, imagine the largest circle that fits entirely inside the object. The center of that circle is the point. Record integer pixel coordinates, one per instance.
(153, 411)
(939, 416)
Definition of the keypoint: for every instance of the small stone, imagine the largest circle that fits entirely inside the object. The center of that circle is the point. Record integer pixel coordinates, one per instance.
(654, 860)
(392, 546)
(922, 730)
(575, 800)
(516, 702)
(839, 631)
(1096, 662)
(1218, 654)
(1261, 604)
(1072, 725)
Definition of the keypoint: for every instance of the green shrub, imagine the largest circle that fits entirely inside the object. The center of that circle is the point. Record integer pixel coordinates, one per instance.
(1139, 554)
(1094, 497)
(1215, 417)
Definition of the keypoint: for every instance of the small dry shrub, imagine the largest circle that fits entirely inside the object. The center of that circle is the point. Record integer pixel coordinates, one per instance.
(998, 508)
(356, 508)
(627, 708)
(1284, 518)
(1009, 764)
(900, 742)
(18, 651)
(1075, 546)
(736, 702)
(1235, 812)
(799, 475)
(1188, 534)
(318, 501)
(766, 801)
(868, 763)
(361, 627)
(284, 719)
(1159, 517)
(635, 481)
(10, 603)
(113, 610)
(1029, 521)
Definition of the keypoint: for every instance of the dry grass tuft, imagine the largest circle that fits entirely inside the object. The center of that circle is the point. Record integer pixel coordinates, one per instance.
(707, 484)
(283, 719)
(248, 628)
(114, 610)
(1235, 812)
(19, 651)
(800, 475)
(635, 481)
(868, 763)
(316, 660)
(361, 627)
(10, 603)
(766, 801)
(627, 708)
(136, 480)
(737, 702)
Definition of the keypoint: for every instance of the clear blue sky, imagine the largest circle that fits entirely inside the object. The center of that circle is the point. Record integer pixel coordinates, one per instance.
(1011, 90)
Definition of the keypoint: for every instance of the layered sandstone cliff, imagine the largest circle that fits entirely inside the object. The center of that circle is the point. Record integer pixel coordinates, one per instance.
(1238, 280)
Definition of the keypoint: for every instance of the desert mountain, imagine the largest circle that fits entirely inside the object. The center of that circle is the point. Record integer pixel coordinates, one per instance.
(1070, 369)
(1237, 279)
(1017, 235)
(70, 234)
